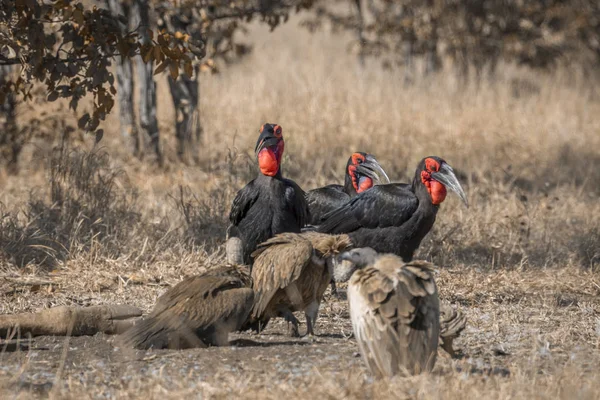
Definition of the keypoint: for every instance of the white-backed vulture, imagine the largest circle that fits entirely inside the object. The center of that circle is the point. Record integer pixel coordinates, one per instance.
(198, 312)
(394, 309)
(291, 273)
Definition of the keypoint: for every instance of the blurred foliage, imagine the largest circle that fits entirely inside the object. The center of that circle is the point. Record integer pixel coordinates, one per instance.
(69, 47)
(216, 22)
(538, 33)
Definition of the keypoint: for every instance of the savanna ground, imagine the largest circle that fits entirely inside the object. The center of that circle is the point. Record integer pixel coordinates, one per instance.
(522, 261)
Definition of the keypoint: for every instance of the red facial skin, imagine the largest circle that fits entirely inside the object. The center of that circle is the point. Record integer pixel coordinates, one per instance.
(269, 159)
(365, 182)
(436, 190)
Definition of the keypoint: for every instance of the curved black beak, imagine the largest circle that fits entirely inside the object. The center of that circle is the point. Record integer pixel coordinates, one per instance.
(371, 168)
(446, 177)
(266, 139)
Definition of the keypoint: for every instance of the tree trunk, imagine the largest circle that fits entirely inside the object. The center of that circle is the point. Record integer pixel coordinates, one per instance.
(407, 49)
(129, 130)
(140, 19)
(11, 144)
(360, 33)
(185, 94)
(433, 63)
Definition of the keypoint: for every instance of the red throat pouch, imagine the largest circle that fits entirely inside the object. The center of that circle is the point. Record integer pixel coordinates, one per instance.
(268, 162)
(437, 192)
(365, 183)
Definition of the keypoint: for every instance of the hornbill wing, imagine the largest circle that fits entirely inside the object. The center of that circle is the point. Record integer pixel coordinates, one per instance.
(278, 262)
(296, 202)
(324, 200)
(244, 199)
(378, 207)
(395, 316)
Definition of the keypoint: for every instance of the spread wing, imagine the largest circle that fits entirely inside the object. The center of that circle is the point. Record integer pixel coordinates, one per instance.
(378, 207)
(395, 316)
(242, 202)
(202, 303)
(324, 200)
(278, 262)
(296, 202)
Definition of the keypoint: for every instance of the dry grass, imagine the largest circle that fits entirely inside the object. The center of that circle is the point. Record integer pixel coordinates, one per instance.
(522, 260)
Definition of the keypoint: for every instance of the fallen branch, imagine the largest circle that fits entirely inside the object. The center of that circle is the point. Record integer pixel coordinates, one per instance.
(27, 281)
(76, 321)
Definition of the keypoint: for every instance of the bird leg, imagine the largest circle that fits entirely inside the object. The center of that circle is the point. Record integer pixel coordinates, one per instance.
(311, 313)
(334, 291)
(290, 318)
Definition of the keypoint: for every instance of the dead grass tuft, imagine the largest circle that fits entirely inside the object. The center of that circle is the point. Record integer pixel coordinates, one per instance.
(85, 209)
(206, 218)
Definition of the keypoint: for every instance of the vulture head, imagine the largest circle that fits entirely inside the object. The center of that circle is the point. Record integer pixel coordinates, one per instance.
(348, 262)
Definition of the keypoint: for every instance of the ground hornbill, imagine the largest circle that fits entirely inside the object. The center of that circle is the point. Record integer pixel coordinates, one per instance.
(269, 204)
(362, 171)
(394, 218)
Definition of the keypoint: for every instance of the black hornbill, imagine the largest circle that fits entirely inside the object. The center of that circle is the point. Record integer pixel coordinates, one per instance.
(394, 218)
(269, 204)
(362, 171)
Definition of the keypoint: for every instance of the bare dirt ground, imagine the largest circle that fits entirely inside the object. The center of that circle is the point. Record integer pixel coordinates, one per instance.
(530, 334)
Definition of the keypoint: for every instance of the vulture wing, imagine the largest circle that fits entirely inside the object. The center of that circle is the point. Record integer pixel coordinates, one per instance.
(278, 262)
(395, 316)
(194, 309)
(452, 323)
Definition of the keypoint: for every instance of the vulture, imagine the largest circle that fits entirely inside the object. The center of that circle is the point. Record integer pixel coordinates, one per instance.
(362, 171)
(395, 218)
(198, 312)
(291, 273)
(394, 309)
(269, 204)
